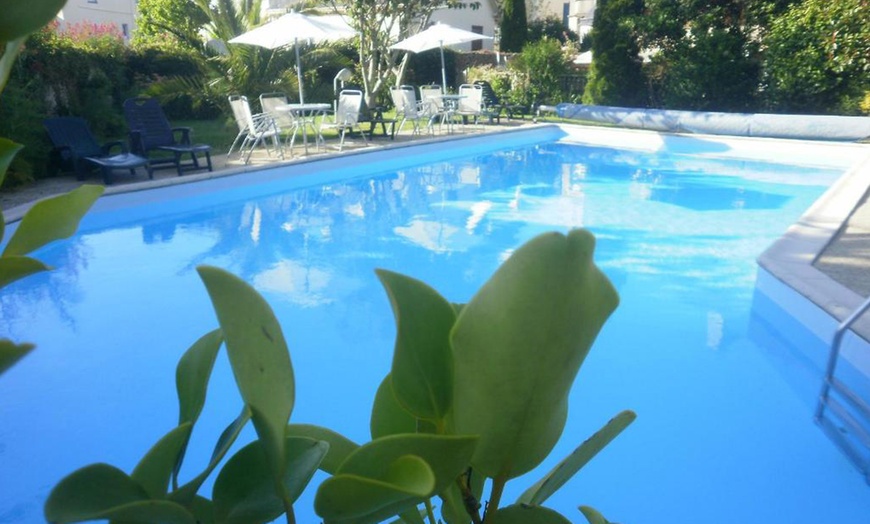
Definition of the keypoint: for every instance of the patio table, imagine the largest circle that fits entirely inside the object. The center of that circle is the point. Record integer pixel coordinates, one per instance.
(305, 114)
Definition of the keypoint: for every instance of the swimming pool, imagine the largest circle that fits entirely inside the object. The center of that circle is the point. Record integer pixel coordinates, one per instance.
(722, 434)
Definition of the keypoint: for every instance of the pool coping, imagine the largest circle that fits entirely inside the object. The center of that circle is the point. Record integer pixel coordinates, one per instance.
(787, 272)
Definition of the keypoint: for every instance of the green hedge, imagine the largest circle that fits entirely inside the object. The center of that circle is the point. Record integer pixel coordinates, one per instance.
(87, 71)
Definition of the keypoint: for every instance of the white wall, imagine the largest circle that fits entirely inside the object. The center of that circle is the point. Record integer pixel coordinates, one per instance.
(122, 13)
(581, 16)
(539, 9)
(465, 18)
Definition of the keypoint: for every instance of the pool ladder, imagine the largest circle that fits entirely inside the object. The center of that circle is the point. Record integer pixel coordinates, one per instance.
(852, 431)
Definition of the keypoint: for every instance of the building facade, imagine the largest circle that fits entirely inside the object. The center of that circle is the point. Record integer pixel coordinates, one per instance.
(121, 13)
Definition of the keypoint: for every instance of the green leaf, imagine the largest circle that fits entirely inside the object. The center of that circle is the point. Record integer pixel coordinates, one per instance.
(52, 219)
(422, 361)
(452, 507)
(518, 345)
(8, 148)
(593, 516)
(413, 516)
(370, 466)
(10, 353)
(348, 498)
(191, 383)
(185, 494)
(7, 61)
(22, 18)
(558, 476)
(339, 446)
(449, 456)
(193, 373)
(258, 355)
(244, 492)
(13, 268)
(150, 511)
(388, 416)
(203, 510)
(101, 491)
(520, 514)
(155, 469)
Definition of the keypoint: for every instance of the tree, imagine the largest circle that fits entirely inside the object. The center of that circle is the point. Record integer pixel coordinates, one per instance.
(178, 20)
(615, 76)
(551, 27)
(513, 27)
(541, 66)
(817, 57)
(380, 24)
(707, 56)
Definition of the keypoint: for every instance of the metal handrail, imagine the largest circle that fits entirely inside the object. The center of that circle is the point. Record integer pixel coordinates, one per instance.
(834, 356)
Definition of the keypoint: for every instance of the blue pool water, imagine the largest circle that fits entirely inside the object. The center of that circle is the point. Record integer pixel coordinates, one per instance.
(722, 435)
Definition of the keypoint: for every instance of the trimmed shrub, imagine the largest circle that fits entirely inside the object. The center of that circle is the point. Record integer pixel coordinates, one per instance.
(818, 58)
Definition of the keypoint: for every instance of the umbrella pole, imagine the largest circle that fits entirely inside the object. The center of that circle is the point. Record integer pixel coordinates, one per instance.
(298, 71)
(301, 96)
(443, 70)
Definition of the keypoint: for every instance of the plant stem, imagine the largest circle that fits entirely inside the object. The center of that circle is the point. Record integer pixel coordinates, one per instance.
(288, 510)
(468, 499)
(494, 498)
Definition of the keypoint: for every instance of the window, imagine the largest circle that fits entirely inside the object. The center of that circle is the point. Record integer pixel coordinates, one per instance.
(566, 10)
(477, 45)
(125, 29)
(92, 1)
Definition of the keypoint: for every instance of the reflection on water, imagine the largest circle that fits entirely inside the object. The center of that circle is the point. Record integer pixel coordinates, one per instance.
(124, 303)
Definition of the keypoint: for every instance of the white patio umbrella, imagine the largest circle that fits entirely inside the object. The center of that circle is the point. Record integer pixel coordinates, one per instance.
(438, 35)
(289, 29)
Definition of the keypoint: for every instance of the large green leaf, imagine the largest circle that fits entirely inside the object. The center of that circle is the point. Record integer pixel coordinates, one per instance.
(370, 471)
(388, 416)
(422, 371)
(101, 491)
(520, 514)
(340, 447)
(155, 468)
(8, 148)
(518, 345)
(244, 492)
(258, 355)
(558, 476)
(7, 61)
(52, 219)
(191, 383)
(13, 268)
(19, 19)
(449, 456)
(592, 515)
(187, 493)
(10, 353)
(192, 375)
(347, 498)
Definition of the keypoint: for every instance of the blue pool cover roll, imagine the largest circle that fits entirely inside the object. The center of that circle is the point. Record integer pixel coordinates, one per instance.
(807, 127)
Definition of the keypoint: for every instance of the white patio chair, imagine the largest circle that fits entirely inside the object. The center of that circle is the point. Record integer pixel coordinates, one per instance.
(347, 115)
(470, 106)
(254, 130)
(287, 122)
(409, 108)
(431, 95)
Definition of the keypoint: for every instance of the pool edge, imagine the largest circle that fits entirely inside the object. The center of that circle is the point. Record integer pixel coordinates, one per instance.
(790, 260)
